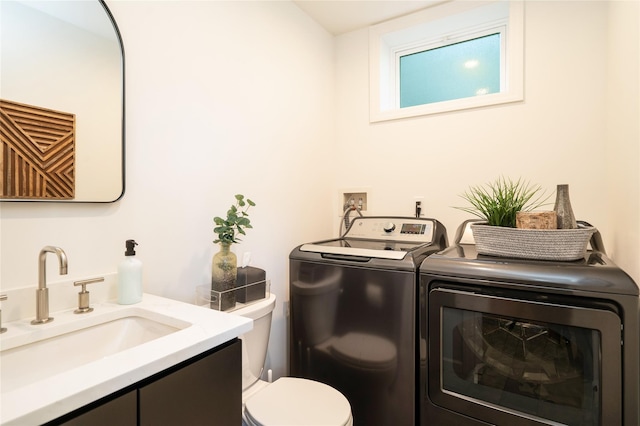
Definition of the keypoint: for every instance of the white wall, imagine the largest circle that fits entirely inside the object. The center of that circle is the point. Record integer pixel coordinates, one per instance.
(623, 134)
(559, 134)
(222, 98)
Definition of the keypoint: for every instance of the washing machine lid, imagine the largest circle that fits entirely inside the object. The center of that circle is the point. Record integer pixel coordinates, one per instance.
(361, 248)
(293, 402)
(365, 350)
(381, 237)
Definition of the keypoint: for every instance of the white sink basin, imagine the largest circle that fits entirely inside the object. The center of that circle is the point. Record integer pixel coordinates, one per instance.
(55, 350)
(51, 369)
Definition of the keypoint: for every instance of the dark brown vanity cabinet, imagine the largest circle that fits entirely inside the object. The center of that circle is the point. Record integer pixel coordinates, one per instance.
(121, 410)
(204, 390)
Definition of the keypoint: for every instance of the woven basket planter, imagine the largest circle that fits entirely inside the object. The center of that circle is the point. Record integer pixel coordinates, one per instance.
(540, 244)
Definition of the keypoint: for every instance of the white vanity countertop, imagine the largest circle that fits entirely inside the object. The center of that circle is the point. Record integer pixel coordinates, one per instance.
(57, 395)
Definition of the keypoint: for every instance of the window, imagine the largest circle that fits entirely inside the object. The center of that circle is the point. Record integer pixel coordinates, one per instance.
(448, 57)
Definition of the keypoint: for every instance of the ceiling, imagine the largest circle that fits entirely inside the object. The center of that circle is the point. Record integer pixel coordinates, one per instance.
(342, 16)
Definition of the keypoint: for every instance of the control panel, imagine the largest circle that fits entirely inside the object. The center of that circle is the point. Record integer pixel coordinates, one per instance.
(416, 230)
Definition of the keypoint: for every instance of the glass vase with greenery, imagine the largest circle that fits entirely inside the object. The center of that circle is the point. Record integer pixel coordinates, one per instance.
(224, 272)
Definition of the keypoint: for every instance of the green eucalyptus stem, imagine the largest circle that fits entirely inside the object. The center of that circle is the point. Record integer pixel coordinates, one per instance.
(236, 222)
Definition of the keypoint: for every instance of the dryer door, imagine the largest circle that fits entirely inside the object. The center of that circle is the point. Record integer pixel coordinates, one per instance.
(505, 360)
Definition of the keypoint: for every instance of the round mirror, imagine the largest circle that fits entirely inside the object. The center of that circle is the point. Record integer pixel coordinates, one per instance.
(61, 102)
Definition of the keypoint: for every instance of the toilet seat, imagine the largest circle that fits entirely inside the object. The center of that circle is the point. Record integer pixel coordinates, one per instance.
(293, 402)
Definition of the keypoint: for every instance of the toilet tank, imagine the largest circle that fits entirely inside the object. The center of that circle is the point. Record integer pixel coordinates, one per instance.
(256, 341)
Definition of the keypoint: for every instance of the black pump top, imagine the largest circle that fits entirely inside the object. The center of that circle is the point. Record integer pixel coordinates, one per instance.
(131, 244)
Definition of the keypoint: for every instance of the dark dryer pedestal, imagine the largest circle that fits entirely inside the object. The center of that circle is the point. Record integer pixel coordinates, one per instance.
(353, 314)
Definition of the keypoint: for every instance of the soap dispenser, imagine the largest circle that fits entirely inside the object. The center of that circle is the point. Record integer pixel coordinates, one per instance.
(130, 276)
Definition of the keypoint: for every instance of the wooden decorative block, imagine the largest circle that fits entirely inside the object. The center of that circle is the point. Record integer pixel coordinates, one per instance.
(37, 152)
(536, 220)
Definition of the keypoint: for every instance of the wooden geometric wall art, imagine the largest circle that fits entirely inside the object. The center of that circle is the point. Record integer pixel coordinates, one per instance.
(37, 152)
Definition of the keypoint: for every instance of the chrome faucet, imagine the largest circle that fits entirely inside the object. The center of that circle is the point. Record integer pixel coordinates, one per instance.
(42, 292)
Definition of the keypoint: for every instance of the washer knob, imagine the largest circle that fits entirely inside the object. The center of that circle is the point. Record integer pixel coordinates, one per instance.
(389, 227)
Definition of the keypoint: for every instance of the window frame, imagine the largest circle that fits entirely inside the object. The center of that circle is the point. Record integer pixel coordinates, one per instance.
(441, 24)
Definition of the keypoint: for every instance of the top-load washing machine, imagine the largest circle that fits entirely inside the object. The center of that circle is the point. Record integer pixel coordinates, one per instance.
(354, 314)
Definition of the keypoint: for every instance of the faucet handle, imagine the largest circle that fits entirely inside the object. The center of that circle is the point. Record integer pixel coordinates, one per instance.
(2, 329)
(83, 295)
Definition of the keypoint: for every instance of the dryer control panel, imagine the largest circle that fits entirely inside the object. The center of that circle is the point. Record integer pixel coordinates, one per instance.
(407, 229)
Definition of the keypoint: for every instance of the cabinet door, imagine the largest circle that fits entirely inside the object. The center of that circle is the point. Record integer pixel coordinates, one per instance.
(205, 392)
(121, 411)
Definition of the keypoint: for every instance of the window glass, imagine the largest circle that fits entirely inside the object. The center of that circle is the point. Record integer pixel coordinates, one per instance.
(548, 370)
(459, 70)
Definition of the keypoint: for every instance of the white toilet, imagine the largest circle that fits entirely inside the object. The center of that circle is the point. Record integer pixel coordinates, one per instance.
(288, 401)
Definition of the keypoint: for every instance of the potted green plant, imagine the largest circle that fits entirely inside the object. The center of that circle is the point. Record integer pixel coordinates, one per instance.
(224, 272)
(498, 202)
